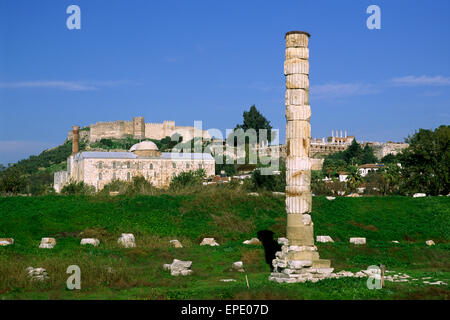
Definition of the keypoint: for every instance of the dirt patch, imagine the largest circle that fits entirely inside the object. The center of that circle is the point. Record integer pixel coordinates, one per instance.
(369, 227)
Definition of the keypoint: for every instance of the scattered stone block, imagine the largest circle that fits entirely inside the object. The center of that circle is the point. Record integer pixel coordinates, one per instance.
(437, 283)
(358, 240)
(176, 243)
(395, 241)
(330, 198)
(37, 274)
(227, 280)
(127, 240)
(354, 195)
(430, 243)
(254, 194)
(283, 241)
(92, 241)
(324, 239)
(419, 195)
(47, 243)
(6, 242)
(302, 248)
(238, 266)
(179, 267)
(209, 242)
(299, 264)
(252, 241)
(278, 193)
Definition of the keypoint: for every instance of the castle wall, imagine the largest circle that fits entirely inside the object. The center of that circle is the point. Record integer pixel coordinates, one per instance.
(110, 130)
(154, 131)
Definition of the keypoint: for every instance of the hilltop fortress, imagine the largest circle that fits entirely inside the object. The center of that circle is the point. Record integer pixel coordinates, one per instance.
(138, 129)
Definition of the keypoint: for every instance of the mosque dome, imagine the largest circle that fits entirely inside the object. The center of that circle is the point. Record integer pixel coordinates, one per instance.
(144, 146)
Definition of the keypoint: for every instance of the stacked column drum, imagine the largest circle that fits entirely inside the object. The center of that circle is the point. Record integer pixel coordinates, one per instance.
(299, 259)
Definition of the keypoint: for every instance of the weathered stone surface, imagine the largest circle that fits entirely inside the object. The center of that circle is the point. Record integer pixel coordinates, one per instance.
(298, 129)
(176, 243)
(238, 266)
(302, 248)
(430, 243)
(298, 264)
(283, 241)
(209, 242)
(6, 242)
(254, 194)
(297, 53)
(324, 239)
(297, 97)
(296, 66)
(252, 241)
(179, 267)
(47, 243)
(296, 112)
(297, 204)
(358, 240)
(295, 39)
(297, 81)
(127, 240)
(92, 241)
(37, 274)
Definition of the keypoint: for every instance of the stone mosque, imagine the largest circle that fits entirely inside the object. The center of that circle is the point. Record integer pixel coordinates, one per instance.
(143, 159)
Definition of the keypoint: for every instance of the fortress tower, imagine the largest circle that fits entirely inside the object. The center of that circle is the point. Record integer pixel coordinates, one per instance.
(138, 128)
(299, 259)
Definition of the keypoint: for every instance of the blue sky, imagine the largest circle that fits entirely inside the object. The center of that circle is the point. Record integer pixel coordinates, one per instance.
(211, 60)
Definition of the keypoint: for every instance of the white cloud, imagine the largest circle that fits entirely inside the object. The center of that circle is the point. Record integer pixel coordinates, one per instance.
(421, 81)
(338, 90)
(64, 85)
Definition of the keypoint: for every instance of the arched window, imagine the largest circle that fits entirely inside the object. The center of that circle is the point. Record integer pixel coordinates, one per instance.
(154, 174)
(128, 176)
(100, 165)
(114, 164)
(100, 176)
(114, 176)
(200, 166)
(151, 166)
(128, 164)
(174, 165)
(187, 165)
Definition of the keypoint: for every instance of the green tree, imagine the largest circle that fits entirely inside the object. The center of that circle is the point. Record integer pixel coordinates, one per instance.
(188, 179)
(12, 181)
(367, 155)
(390, 158)
(253, 119)
(426, 162)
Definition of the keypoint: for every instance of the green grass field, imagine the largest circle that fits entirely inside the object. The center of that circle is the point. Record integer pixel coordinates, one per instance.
(111, 272)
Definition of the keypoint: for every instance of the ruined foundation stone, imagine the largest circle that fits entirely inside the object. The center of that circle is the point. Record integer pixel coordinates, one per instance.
(298, 260)
(47, 243)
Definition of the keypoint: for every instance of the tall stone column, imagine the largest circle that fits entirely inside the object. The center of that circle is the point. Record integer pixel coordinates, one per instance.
(299, 260)
(75, 140)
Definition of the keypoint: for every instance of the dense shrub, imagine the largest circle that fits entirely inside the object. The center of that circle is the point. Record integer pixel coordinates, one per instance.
(78, 188)
(188, 179)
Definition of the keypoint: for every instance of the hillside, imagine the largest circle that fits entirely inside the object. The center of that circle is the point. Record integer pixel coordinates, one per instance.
(230, 218)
